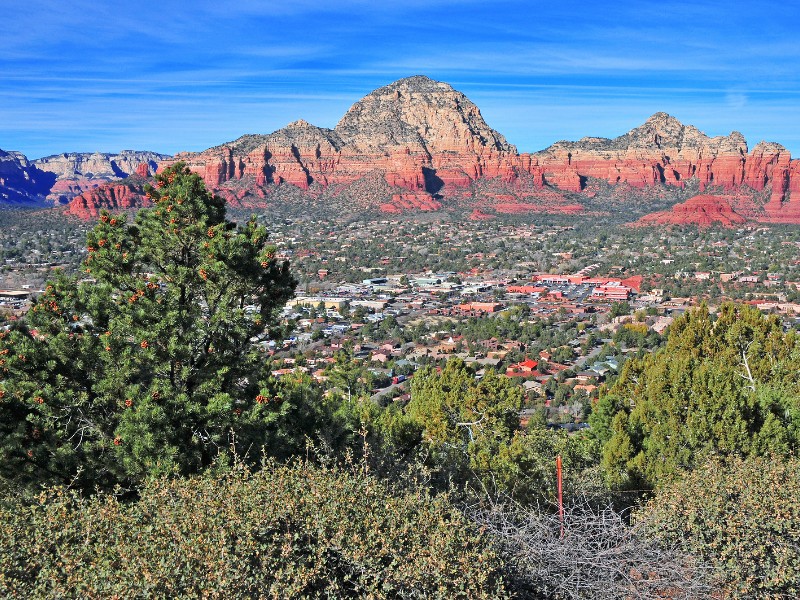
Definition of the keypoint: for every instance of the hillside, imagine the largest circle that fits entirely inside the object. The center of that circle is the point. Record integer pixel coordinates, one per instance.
(419, 145)
(59, 178)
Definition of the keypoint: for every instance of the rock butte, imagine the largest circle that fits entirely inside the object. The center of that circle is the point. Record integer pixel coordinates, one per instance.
(703, 210)
(427, 138)
(427, 141)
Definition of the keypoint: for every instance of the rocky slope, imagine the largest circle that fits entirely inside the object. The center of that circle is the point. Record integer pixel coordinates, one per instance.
(20, 181)
(76, 173)
(703, 210)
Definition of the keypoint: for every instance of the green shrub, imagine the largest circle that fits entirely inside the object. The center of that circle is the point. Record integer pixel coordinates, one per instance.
(284, 532)
(740, 515)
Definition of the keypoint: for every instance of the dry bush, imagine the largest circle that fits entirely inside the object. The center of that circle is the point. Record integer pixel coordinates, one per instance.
(600, 555)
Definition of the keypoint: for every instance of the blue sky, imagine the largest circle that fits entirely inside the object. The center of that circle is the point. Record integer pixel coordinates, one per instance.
(171, 76)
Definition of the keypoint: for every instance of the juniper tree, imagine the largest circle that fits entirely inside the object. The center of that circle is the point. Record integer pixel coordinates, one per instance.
(720, 387)
(148, 361)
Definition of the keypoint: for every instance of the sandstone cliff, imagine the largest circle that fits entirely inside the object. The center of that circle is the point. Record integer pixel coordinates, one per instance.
(114, 197)
(662, 150)
(428, 141)
(703, 210)
(421, 134)
(420, 145)
(20, 181)
(76, 173)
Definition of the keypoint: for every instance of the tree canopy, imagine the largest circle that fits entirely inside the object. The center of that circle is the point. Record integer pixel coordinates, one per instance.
(148, 360)
(721, 386)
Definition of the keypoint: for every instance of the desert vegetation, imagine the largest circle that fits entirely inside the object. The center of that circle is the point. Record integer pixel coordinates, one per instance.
(148, 448)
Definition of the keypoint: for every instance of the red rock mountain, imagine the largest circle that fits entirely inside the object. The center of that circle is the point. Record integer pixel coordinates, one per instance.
(703, 210)
(418, 144)
(77, 172)
(421, 134)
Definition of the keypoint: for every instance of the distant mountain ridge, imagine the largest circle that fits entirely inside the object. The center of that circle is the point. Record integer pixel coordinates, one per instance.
(98, 164)
(59, 178)
(20, 181)
(420, 145)
(77, 172)
(432, 146)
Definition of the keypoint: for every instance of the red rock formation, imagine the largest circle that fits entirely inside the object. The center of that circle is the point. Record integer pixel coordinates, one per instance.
(703, 211)
(478, 215)
(784, 175)
(112, 197)
(427, 141)
(420, 133)
(662, 150)
(424, 136)
(415, 202)
(75, 173)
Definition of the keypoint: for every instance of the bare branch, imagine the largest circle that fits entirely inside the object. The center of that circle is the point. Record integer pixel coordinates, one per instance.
(600, 556)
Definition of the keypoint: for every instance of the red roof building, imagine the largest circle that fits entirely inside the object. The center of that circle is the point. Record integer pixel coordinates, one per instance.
(526, 368)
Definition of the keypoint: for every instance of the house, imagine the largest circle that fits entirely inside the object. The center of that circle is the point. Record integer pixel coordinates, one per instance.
(533, 386)
(586, 387)
(448, 346)
(490, 344)
(485, 307)
(526, 368)
(661, 323)
(14, 295)
(335, 303)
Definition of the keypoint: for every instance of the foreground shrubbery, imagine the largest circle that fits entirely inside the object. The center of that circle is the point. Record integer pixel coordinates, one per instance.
(741, 516)
(286, 531)
(305, 531)
(600, 556)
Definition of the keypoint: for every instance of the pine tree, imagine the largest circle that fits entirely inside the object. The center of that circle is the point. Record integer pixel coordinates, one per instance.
(147, 362)
(720, 387)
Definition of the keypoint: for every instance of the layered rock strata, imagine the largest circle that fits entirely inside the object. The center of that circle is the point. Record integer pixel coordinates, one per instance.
(76, 172)
(703, 210)
(420, 145)
(425, 137)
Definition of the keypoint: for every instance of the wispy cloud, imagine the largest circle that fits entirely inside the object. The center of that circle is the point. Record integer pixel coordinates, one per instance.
(169, 76)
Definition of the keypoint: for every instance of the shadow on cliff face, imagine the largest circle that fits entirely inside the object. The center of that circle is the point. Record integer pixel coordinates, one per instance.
(26, 185)
(433, 184)
(43, 181)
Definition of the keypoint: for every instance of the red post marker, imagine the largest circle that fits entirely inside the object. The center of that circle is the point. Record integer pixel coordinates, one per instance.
(560, 495)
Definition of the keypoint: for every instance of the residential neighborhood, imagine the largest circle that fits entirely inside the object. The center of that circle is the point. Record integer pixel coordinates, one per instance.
(554, 310)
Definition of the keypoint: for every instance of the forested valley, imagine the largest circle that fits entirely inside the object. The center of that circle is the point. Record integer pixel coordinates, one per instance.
(148, 447)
